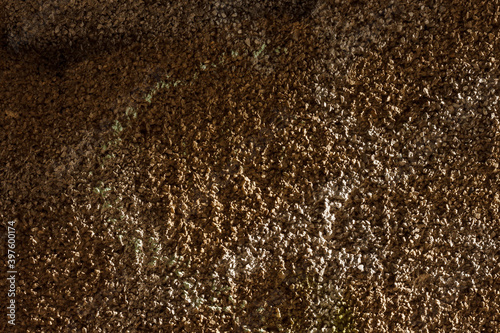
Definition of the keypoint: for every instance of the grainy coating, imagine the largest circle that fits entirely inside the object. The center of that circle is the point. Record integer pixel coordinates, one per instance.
(231, 166)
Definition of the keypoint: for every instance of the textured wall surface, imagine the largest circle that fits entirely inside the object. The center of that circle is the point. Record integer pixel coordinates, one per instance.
(226, 166)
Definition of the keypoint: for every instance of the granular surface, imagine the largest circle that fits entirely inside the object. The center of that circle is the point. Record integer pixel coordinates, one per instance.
(241, 166)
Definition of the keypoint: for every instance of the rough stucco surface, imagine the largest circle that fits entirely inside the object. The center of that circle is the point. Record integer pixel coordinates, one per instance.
(225, 166)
